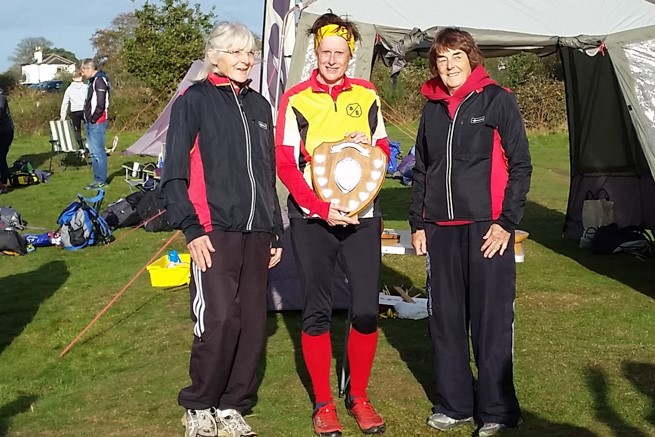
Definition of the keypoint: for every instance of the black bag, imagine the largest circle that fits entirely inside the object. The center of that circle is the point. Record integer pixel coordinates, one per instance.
(23, 179)
(152, 204)
(134, 198)
(121, 214)
(630, 239)
(12, 243)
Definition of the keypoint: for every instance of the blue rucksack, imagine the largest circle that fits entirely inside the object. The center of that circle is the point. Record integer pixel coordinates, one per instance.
(394, 156)
(81, 225)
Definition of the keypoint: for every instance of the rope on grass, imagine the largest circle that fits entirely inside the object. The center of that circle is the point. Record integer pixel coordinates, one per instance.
(123, 236)
(111, 302)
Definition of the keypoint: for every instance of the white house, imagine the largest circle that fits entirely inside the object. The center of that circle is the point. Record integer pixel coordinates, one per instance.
(42, 69)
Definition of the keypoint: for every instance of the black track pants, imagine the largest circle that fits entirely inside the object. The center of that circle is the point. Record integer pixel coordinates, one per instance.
(471, 294)
(318, 247)
(77, 117)
(228, 308)
(5, 141)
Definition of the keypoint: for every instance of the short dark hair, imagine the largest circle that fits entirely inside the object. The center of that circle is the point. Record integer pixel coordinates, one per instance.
(90, 62)
(330, 18)
(454, 39)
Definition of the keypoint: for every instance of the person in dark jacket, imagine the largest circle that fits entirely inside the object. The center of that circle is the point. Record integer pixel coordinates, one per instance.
(6, 137)
(219, 183)
(470, 182)
(95, 117)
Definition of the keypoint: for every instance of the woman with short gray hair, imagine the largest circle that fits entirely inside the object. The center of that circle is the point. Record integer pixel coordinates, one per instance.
(219, 183)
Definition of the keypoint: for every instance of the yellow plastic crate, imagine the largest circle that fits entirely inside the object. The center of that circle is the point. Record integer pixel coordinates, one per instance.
(161, 276)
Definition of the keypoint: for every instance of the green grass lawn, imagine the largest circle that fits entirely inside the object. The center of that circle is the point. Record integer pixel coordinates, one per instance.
(585, 340)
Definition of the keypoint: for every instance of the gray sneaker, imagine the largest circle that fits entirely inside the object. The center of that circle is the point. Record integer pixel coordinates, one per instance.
(489, 429)
(234, 423)
(201, 423)
(444, 423)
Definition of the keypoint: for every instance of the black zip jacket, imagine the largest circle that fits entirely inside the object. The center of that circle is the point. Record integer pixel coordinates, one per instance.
(474, 166)
(219, 170)
(97, 99)
(6, 123)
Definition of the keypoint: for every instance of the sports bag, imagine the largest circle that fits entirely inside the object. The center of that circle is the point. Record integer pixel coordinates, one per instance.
(153, 204)
(23, 179)
(81, 225)
(630, 239)
(121, 214)
(12, 243)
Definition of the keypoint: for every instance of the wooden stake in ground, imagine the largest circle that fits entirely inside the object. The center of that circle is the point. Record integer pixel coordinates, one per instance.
(111, 302)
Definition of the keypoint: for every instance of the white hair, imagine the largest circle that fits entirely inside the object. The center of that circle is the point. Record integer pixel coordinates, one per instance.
(225, 36)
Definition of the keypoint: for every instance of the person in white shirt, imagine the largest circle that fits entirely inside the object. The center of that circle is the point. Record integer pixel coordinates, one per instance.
(74, 96)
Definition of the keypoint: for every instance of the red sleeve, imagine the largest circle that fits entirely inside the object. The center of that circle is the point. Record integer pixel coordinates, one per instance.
(287, 168)
(383, 143)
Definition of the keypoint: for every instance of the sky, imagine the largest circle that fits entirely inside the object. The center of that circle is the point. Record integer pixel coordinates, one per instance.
(69, 24)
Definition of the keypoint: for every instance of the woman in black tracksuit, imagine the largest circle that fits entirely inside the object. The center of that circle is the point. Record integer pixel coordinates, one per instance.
(6, 137)
(470, 182)
(219, 181)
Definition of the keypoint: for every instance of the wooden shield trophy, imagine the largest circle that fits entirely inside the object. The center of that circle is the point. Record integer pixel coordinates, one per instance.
(348, 174)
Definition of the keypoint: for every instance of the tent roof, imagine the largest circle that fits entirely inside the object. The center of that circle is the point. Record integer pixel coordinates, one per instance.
(560, 18)
(153, 139)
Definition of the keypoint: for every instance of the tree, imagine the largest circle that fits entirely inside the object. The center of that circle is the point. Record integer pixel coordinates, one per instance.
(24, 51)
(109, 42)
(165, 41)
(66, 54)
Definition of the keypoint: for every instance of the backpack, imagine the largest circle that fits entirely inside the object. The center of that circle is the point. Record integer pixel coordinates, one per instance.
(81, 225)
(11, 219)
(121, 214)
(12, 243)
(630, 239)
(150, 205)
(394, 156)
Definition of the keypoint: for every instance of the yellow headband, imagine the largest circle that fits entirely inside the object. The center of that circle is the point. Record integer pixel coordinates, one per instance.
(334, 30)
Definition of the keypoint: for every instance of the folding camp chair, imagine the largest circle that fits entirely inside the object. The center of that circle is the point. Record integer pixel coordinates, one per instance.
(143, 177)
(63, 141)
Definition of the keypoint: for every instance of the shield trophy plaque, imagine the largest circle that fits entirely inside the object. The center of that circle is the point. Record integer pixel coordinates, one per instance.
(348, 174)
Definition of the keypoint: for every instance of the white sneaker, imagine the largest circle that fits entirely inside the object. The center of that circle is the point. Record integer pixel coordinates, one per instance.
(444, 423)
(200, 423)
(233, 421)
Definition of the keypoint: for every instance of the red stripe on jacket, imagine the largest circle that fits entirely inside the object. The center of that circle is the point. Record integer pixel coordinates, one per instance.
(198, 189)
(287, 168)
(499, 176)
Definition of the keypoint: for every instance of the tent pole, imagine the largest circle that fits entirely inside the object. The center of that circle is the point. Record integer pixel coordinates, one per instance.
(344, 381)
(261, 68)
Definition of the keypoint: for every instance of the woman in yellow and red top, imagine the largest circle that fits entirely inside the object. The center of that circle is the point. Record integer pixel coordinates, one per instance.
(328, 107)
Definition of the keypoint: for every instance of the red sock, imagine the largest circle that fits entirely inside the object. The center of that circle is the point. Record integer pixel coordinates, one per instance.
(317, 351)
(361, 351)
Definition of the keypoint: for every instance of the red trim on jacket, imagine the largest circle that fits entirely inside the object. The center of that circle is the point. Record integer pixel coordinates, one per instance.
(287, 168)
(197, 189)
(435, 89)
(499, 176)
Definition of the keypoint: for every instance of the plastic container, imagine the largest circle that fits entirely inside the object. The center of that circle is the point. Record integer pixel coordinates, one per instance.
(163, 276)
(173, 259)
